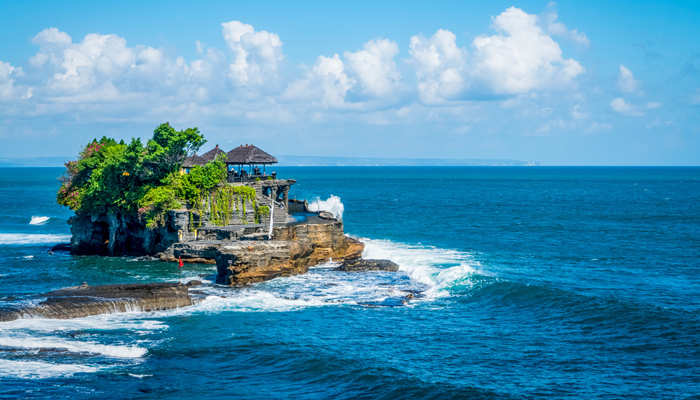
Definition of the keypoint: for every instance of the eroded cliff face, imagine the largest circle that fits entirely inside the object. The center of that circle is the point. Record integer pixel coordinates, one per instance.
(116, 234)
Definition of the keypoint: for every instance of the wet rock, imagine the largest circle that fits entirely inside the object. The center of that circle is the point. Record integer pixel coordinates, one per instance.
(60, 247)
(294, 249)
(361, 264)
(84, 300)
(326, 215)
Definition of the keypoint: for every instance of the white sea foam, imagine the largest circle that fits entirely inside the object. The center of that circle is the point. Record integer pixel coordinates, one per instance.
(39, 220)
(428, 270)
(437, 269)
(34, 334)
(73, 346)
(31, 238)
(332, 205)
(105, 322)
(40, 369)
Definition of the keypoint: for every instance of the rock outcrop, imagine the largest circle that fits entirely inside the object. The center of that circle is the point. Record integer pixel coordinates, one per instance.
(294, 250)
(359, 265)
(116, 234)
(82, 301)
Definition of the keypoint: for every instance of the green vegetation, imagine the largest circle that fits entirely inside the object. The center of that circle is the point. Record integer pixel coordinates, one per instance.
(145, 180)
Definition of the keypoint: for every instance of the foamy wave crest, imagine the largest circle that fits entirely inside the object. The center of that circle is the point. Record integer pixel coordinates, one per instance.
(437, 269)
(41, 370)
(29, 342)
(36, 334)
(332, 205)
(39, 220)
(126, 321)
(31, 238)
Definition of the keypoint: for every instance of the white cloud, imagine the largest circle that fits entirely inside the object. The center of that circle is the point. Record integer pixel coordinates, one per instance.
(557, 28)
(518, 59)
(626, 81)
(335, 83)
(257, 55)
(521, 57)
(621, 106)
(652, 105)
(440, 66)
(370, 74)
(102, 77)
(374, 67)
(326, 83)
(8, 88)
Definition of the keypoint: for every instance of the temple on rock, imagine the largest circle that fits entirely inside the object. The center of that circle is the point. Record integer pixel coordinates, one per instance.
(251, 213)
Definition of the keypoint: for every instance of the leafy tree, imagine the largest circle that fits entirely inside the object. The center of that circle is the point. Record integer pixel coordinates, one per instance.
(111, 176)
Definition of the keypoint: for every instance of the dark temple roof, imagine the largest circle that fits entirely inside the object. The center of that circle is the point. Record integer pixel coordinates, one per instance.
(193, 160)
(211, 154)
(249, 154)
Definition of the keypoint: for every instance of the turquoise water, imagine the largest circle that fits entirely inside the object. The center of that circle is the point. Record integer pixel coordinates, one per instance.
(535, 282)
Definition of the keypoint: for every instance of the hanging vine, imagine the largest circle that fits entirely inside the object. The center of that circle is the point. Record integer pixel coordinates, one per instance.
(260, 212)
(227, 200)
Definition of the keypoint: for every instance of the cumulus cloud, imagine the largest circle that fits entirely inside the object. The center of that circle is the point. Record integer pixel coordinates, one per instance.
(8, 89)
(246, 80)
(440, 65)
(557, 28)
(374, 67)
(257, 55)
(518, 59)
(621, 106)
(521, 57)
(626, 81)
(370, 73)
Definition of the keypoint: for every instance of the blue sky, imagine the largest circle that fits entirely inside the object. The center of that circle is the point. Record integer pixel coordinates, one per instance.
(558, 83)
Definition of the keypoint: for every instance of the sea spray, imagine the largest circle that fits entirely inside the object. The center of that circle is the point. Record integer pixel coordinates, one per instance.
(332, 205)
(39, 220)
(438, 269)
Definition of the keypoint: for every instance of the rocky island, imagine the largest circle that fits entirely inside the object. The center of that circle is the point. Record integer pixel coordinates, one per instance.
(164, 200)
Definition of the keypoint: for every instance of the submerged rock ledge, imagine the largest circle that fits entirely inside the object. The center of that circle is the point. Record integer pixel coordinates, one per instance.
(83, 301)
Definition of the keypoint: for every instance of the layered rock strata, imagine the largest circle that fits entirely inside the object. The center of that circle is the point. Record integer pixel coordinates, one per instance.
(82, 301)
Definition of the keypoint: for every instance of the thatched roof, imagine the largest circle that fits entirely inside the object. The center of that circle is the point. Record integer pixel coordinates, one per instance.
(249, 154)
(193, 160)
(211, 154)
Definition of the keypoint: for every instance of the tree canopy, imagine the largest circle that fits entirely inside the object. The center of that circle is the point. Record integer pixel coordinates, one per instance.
(134, 178)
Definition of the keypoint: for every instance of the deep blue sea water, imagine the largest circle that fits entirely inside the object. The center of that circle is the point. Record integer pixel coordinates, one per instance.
(537, 282)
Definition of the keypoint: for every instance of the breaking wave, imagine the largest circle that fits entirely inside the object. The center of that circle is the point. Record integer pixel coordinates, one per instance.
(40, 342)
(425, 272)
(39, 220)
(440, 270)
(73, 346)
(332, 205)
(31, 238)
(41, 369)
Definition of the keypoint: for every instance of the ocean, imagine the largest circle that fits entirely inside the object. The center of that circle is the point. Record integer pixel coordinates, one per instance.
(532, 282)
